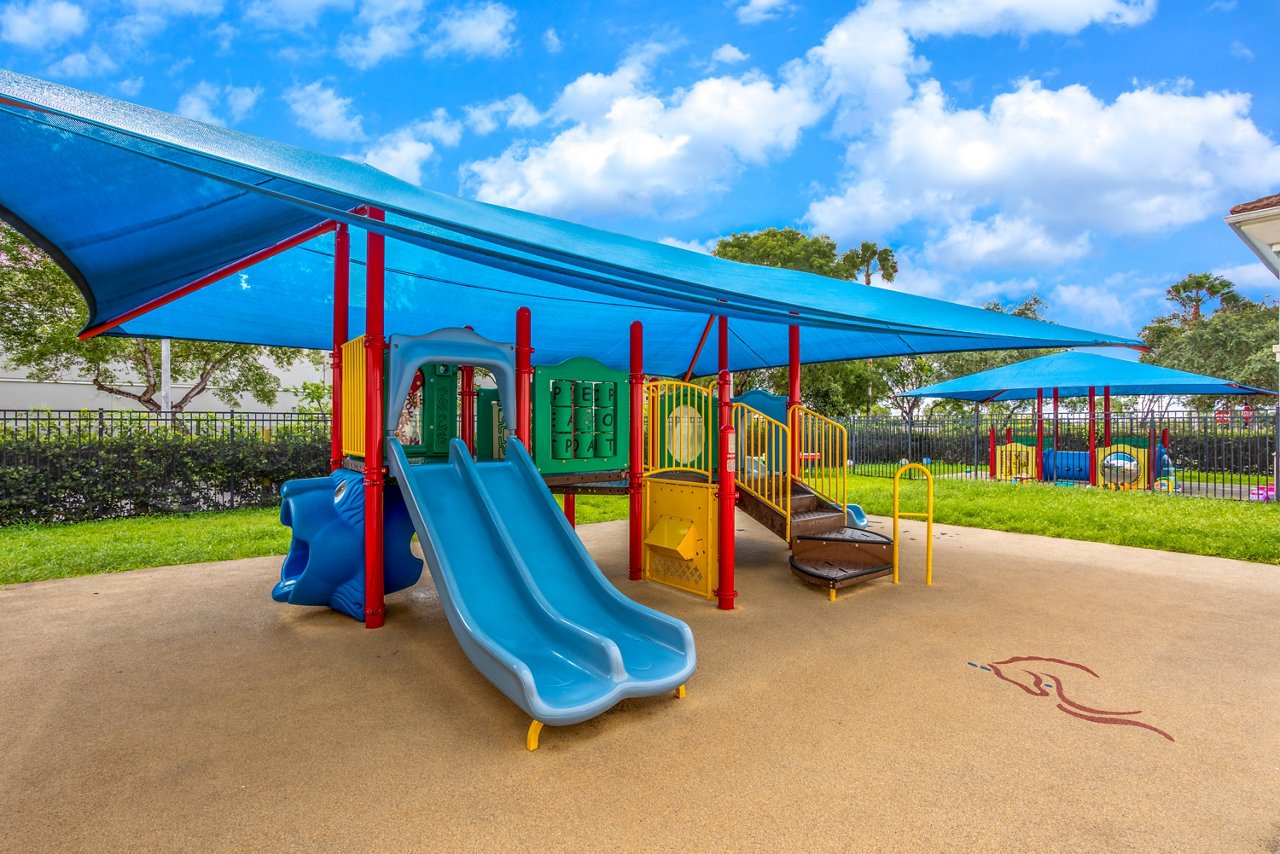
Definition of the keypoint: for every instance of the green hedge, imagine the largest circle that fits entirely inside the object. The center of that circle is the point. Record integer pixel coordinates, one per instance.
(71, 476)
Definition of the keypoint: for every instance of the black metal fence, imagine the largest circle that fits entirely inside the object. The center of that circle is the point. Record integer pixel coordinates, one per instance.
(64, 466)
(1222, 455)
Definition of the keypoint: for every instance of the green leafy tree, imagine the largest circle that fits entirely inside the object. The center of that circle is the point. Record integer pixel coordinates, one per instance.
(44, 311)
(1232, 341)
(832, 388)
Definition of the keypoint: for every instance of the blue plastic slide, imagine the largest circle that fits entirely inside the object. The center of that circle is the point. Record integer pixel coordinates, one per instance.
(528, 604)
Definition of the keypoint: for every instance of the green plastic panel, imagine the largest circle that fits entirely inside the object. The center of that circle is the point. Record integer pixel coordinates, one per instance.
(581, 417)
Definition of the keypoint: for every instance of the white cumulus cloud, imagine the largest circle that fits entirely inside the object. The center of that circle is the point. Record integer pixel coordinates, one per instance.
(405, 151)
(627, 148)
(390, 29)
(85, 63)
(319, 109)
(41, 24)
(291, 14)
(727, 54)
(482, 30)
(551, 41)
(759, 11)
(515, 111)
(1048, 166)
(218, 105)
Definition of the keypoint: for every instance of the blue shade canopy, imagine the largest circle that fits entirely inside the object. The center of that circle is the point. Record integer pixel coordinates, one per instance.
(135, 203)
(1072, 374)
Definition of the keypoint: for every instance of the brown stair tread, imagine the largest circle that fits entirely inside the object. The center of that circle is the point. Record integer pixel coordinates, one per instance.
(849, 535)
(833, 575)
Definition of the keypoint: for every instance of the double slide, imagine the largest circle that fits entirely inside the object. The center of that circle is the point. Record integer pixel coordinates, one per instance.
(526, 601)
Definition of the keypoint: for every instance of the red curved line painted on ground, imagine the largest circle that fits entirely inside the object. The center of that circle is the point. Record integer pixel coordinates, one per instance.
(999, 674)
(1057, 687)
(1121, 721)
(1018, 658)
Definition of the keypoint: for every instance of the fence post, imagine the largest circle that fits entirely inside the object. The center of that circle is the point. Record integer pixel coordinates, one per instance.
(232, 415)
(977, 428)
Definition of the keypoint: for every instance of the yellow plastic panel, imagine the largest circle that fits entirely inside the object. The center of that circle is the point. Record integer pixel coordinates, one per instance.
(353, 397)
(680, 537)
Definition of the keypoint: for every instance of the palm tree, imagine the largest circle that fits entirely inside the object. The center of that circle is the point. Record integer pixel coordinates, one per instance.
(862, 262)
(868, 259)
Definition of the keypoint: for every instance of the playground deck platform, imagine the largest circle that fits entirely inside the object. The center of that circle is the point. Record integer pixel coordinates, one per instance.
(181, 709)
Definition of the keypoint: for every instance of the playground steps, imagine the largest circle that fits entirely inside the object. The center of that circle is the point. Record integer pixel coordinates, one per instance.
(823, 550)
(837, 559)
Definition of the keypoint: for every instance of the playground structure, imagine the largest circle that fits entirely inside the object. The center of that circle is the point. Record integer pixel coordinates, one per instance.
(1110, 461)
(172, 228)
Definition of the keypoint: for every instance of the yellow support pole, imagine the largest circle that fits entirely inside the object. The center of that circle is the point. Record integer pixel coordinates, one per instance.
(680, 692)
(531, 739)
(927, 516)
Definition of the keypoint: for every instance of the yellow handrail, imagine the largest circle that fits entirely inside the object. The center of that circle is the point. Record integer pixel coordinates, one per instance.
(821, 451)
(353, 397)
(763, 448)
(927, 515)
(681, 418)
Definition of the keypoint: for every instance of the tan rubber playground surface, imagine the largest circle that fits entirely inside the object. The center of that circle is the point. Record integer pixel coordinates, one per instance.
(181, 709)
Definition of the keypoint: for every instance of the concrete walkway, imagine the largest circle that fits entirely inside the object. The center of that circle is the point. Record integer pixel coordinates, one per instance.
(181, 709)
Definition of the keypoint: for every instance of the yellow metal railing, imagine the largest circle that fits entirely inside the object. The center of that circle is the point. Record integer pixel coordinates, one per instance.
(680, 417)
(927, 516)
(353, 397)
(820, 454)
(763, 448)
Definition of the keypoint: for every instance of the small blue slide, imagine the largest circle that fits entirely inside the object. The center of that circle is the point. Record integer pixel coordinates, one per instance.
(528, 604)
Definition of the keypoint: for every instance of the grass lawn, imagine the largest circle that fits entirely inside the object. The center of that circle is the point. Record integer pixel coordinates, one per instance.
(1235, 529)
(1206, 526)
(37, 552)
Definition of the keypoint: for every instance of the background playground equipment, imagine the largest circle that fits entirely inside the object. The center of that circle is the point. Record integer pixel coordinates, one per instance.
(927, 515)
(1125, 463)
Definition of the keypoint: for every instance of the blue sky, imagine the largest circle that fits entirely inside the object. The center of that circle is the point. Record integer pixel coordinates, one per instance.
(1085, 150)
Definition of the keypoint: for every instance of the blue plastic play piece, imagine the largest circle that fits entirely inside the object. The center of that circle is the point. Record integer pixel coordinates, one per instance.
(325, 564)
(527, 603)
(855, 517)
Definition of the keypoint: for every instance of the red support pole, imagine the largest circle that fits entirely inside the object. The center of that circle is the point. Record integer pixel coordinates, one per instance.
(1106, 416)
(693, 363)
(524, 374)
(374, 425)
(204, 281)
(728, 495)
(341, 305)
(1164, 437)
(467, 417)
(1093, 437)
(1040, 434)
(467, 376)
(793, 391)
(991, 453)
(1057, 460)
(571, 509)
(635, 465)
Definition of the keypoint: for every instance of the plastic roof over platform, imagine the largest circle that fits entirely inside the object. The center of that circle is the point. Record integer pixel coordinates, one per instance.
(136, 204)
(1072, 374)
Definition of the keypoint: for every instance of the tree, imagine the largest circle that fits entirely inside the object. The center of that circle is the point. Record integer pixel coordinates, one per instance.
(868, 259)
(952, 365)
(1197, 289)
(863, 261)
(833, 388)
(1233, 341)
(44, 311)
